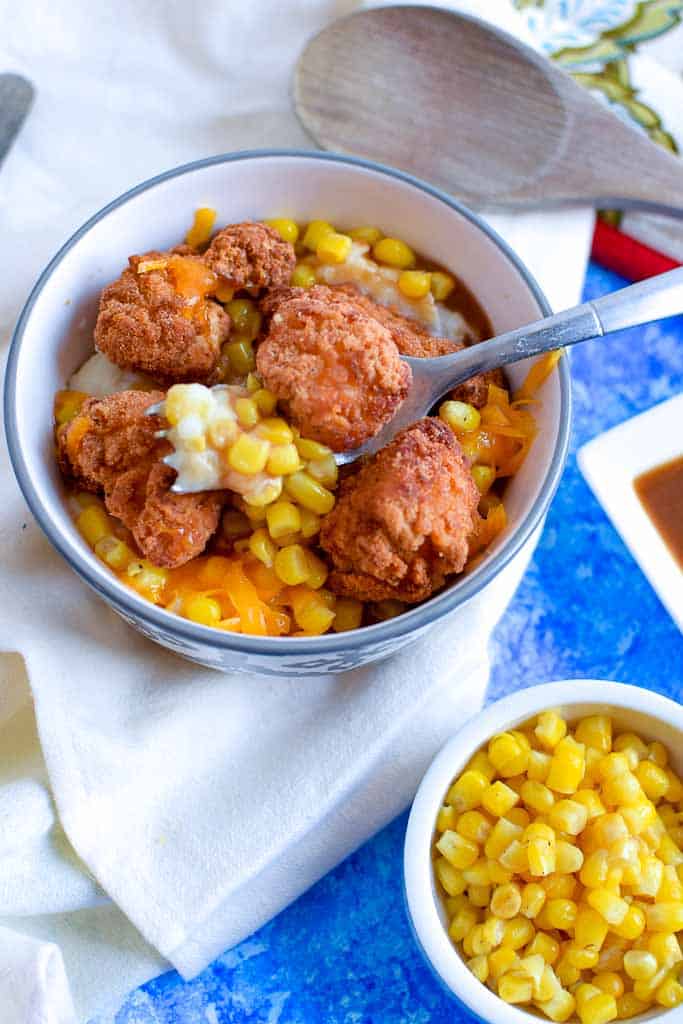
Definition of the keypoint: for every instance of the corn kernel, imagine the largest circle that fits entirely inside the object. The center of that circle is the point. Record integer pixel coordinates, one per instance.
(539, 764)
(441, 285)
(467, 791)
(567, 766)
(568, 858)
(460, 416)
(595, 731)
(266, 494)
(394, 253)
(492, 933)
(309, 493)
(537, 796)
(479, 967)
(315, 232)
(507, 755)
(599, 1009)
(291, 565)
(311, 450)
(658, 754)
(473, 825)
(518, 932)
(480, 895)
(560, 1007)
(287, 229)
(541, 849)
(665, 917)
(348, 613)
(462, 923)
(458, 851)
(498, 874)
(312, 614)
(666, 948)
(366, 234)
(317, 571)
(669, 993)
(114, 552)
(613, 764)
(247, 413)
(501, 960)
(265, 401)
(590, 928)
(515, 988)
(414, 284)
(550, 729)
(451, 879)
(283, 460)
(581, 957)
(559, 913)
(629, 1006)
(633, 924)
(622, 789)
(324, 470)
(498, 798)
(640, 965)
(514, 857)
(93, 523)
(200, 232)
(333, 247)
(533, 898)
(545, 945)
(668, 852)
(506, 901)
(609, 982)
(262, 547)
(445, 819)
(283, 518)
(610, 906)
(645, 988)
(589, 799)
(248, 455)
(519, 816)
(201, 609)
(568, 816)
(503, 833)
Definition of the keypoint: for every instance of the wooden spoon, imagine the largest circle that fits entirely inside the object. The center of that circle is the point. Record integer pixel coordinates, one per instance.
(473, 110)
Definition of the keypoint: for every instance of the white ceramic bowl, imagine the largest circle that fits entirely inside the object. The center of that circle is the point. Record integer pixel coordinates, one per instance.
(641, 711)
(54, 334)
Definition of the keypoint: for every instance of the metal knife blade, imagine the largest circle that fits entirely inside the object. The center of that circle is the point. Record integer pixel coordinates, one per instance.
(16, 97)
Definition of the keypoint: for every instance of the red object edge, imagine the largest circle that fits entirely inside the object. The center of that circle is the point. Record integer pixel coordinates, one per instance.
(626, 255)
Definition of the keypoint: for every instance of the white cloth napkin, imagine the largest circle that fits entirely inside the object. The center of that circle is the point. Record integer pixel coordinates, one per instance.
(160, 812)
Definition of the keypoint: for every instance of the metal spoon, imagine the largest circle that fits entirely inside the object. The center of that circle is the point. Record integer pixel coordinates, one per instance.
(654, 299)
(470, 108)
(641, 303)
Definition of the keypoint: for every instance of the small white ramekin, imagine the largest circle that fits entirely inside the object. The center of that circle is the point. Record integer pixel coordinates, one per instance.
(633, 709)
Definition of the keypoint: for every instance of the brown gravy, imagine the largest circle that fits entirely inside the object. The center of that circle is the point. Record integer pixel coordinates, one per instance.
(661, 494)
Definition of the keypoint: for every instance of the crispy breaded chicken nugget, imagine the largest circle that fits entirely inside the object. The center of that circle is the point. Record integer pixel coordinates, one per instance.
(110, 447)
(409, 336)
(336, 368)
(251, 255)
(401, 522)
(160, 321)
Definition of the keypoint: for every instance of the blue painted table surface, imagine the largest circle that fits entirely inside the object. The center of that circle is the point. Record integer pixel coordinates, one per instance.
(343, 953)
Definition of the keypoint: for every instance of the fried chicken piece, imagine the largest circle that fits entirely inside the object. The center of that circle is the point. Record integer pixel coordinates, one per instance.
(161, 321)
(110, 447)
(107, 436)
(401, 522)
(336, 368)
(170, 529)
(251, 255)
(409, 336)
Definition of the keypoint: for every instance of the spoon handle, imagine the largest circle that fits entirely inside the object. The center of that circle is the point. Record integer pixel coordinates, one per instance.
(653, 299)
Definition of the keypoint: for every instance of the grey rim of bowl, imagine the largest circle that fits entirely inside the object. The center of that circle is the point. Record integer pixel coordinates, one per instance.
(158, 618)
